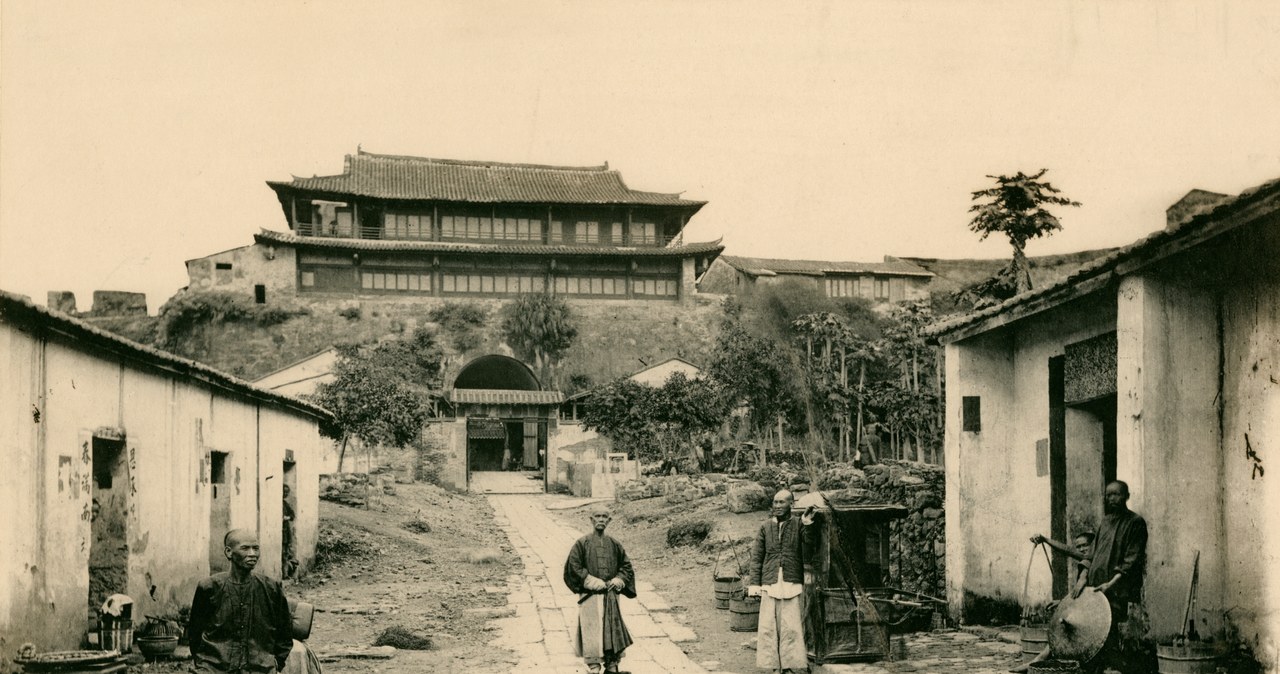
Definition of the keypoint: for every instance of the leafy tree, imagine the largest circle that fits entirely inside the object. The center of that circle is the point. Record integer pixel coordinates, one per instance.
(1015, 207)
(909, 401)
(761, 372)
(378, 393)
(540, 328)
(657, 423)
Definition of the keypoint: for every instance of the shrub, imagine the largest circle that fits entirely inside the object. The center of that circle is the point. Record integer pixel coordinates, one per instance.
(186, 313)
(689, 532)
(350, 313)
(417, 525)
(334, 548)
(461, 322)
(403, 639)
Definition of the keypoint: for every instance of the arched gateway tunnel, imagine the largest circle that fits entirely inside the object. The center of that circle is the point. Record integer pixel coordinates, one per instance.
(508, 417)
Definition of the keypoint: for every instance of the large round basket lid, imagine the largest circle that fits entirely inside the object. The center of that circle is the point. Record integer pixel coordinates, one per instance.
(1080, 626)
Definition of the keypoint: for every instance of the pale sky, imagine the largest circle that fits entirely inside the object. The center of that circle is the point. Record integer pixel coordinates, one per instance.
(134, 136)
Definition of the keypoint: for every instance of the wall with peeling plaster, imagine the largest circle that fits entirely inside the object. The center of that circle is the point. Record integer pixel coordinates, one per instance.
(1198, 417)
(58, 394)
(995, 499)
(1251, 461)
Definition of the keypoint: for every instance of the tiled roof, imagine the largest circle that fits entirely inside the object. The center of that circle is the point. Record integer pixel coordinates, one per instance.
(760, 266)
(399, 177)
(504, 397)
(21, 311)
(1187, 228)
(282, 238)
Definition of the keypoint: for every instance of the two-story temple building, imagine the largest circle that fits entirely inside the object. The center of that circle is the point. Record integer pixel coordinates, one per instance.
(411, 226)
(395, 230)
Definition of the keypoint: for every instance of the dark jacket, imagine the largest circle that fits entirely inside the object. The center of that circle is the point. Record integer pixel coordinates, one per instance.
(794, 551)
(1120, 548)
(239, 626)
(600, 556)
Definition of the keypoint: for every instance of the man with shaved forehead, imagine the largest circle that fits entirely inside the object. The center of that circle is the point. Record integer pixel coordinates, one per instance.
(598, 570)
(781, 565)
(240, 619)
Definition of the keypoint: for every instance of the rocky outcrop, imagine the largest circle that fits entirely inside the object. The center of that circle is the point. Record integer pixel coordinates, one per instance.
(745, 497)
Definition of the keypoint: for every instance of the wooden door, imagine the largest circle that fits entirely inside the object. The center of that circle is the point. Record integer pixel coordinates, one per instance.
(531, 443)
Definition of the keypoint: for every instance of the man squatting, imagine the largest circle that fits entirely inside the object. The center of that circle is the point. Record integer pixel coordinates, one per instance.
(240, 620)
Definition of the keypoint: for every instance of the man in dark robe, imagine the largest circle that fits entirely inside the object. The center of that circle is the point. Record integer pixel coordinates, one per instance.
(598, 570)
(240, 619)
(1116, 567)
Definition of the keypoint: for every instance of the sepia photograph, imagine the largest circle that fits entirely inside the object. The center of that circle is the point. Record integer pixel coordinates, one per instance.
(697, 337)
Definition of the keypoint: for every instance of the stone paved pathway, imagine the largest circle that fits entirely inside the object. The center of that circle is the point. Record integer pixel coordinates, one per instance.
(546, 611)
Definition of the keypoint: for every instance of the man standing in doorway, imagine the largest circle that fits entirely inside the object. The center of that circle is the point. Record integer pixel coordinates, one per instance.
(598, 570)
(288, 549)
(240, 620)
(1116, 566)
(780, 568)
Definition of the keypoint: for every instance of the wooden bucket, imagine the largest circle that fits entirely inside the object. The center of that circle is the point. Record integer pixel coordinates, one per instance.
(744, 614)
(115, 635)
(1053, 666)
(726, 587)
(1035, 638)
(1190, 659)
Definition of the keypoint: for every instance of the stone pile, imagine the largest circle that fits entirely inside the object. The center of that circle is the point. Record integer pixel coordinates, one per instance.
(349, 489)
(673, 488)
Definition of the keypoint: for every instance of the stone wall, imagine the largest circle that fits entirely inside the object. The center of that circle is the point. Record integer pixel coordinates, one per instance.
(118, 303)
(917, 555)
(615, 337)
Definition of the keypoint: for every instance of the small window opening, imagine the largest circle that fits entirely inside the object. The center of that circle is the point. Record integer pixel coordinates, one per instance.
(218, 467)
(222, 265)
(972, 414)
(260, 294)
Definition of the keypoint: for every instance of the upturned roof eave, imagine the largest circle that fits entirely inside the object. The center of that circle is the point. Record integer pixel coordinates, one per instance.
(674, 200)
(272, 237)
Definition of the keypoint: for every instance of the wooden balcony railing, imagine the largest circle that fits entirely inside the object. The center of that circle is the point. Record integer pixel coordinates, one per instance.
(380, 233)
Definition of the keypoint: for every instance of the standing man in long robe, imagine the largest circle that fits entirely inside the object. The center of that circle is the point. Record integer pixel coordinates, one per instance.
(1116, 567)
(598, 570)
(781, 566)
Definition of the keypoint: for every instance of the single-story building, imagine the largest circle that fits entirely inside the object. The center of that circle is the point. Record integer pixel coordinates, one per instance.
(1158, 365)
(125, 466)
(891, 281)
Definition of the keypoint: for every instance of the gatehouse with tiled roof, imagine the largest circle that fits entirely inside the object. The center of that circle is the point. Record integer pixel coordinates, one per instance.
(413, 226)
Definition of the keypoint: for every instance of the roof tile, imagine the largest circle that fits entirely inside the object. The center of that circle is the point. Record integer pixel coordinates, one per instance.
(505, 397)
(400, 177)
(760, 266)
